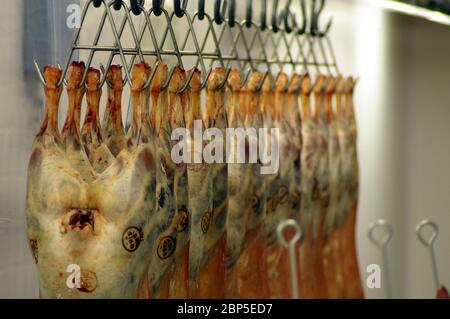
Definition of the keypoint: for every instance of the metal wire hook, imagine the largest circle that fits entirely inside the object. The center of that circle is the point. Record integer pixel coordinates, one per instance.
(295, 39)
(246, 78)
(97, 4)
(382, 244)
(137, 39)
(430, 245)
(200, 59)
(261, 84)
(274, 82)
(59, 67)
(240, 34)
(291, 245)
(225, 81)
(169, 78)
(169, 29)
(205, 81)
(217, 53)
(147, 24)
(257, 35)
(152, 75)
(333, 56)
(118, 42)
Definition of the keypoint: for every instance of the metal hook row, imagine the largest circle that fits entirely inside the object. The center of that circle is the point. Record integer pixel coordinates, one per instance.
(220, 9)
(383, 242)
(275, 28)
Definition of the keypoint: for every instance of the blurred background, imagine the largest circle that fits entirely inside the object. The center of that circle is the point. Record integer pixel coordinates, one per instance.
(403, 111)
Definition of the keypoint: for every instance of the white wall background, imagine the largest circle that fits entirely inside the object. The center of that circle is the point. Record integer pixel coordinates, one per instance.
(403, 110)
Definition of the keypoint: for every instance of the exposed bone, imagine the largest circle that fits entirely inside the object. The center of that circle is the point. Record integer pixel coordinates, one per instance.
(71, 138)
(112, 126)
(98, 153)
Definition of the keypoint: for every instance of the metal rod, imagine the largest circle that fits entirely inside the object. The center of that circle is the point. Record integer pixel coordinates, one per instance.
(292, 244)
(429, 243)
(383, 244)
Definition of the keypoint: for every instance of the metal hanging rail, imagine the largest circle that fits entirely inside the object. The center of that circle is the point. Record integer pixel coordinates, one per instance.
(283, 29)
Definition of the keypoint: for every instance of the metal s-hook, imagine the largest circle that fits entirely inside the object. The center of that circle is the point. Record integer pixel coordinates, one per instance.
(263, 15)
(201, 9)
(302, 30)
(135, 6)
(291, 245)
(249, 14)
(382, 244)
(117, 5)
(232, 14)
(179, 8)
(286, 15)
(157, 7)
(430, 245)
(315, 19)
(274, 19)
(220, 11)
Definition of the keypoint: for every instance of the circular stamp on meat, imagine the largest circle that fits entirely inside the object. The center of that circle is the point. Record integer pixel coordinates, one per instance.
(132, 238)
(166, 247)
(206, 221)
(88, 281)
(184, 220)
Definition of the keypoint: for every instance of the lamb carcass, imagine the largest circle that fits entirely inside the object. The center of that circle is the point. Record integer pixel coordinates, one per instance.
(349, 192)
(207, 270)
(104, 228)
